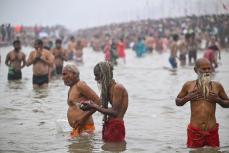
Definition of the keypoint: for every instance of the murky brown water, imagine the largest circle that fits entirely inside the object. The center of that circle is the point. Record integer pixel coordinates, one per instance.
(35, 121)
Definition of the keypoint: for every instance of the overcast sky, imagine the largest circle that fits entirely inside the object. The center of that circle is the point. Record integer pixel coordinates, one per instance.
(76, 14)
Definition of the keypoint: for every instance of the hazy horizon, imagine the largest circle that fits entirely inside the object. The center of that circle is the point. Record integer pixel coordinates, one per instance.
(75, 14)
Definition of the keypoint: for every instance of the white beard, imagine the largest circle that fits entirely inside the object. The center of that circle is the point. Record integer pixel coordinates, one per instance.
(204, 80)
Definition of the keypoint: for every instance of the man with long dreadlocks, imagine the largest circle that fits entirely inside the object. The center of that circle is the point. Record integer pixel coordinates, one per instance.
(115, 94)
(79, 91)
(203, 95)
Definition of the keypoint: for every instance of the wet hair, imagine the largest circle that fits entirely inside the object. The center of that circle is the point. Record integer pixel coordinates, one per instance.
(105, 70)
(58, 41)
(72, 68)
(16, 42)
(187, 36)
(39, 42)
(72, 38)
(175, 37)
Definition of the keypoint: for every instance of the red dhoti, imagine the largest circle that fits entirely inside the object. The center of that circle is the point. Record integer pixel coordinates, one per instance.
(200, 138)
(114, 130)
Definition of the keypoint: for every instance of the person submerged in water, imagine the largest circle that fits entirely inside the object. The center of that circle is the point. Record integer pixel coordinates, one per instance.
(115, 94)
(79, 91)
(15, 60)
(203, 95)
(42, 61)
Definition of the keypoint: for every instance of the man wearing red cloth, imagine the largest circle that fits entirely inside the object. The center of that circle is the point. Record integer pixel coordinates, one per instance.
(203, 95)
(115, 94)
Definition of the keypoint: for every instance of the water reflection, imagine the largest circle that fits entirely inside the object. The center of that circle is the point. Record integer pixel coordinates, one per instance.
(40, 93)
(114, 147)
(81, 145)
(15, 84)
(207, 150)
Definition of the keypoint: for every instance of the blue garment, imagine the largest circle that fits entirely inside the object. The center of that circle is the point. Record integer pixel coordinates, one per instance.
(173, 62)
(139, 48)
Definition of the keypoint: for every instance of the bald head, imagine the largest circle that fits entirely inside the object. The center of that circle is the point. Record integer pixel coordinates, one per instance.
(72, 68)
(202, 61)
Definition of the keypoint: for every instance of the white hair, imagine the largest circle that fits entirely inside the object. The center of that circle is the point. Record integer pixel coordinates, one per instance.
(72, 68)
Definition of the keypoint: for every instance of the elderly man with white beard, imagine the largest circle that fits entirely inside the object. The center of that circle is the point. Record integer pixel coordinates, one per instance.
(203, 95)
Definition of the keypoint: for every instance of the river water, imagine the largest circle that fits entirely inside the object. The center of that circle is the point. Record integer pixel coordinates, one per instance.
(35, 120)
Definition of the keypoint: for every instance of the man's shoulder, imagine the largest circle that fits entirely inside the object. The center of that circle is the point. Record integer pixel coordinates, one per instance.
(81, 84)
(216, 83)
(119, 86)
(46, 51)
(22, 52)
(32, 52)
(189, 83)
(10, 52)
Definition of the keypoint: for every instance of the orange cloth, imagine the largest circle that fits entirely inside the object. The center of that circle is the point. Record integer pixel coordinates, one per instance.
(88, 128)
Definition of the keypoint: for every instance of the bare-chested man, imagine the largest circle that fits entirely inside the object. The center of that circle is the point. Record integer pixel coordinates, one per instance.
(115, 94)
(79, 91)
(183, 49)
(42, 61)
(79, 52)
(15, 60)
(203, 95)
(71, 48)
(60, 55)
(174, 49)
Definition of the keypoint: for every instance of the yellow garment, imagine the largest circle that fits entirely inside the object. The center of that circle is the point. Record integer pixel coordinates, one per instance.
(88, 128)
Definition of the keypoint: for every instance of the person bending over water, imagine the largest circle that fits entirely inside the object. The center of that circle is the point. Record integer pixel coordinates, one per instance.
(79, 91)
(115, 94)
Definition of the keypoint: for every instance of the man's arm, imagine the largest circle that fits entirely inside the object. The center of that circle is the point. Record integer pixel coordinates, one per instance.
(65, 55)
(184, 96)
(30, 59)
(91, 95)
(7, 59)
(23, 61)
(88, 92)
(48, 58)
(180, 100)
(221, 98)
(116, 103)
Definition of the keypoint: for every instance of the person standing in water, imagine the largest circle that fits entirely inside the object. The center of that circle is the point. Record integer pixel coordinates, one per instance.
(15, 60)
(121, 50)
(203, 95)
(79, 52)
(42, 61)
(115, 94)
(79, 91)
(71, 48)
(139, 47)
(174, 49)
(192, 48)
(60, 55)
(183, 49)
